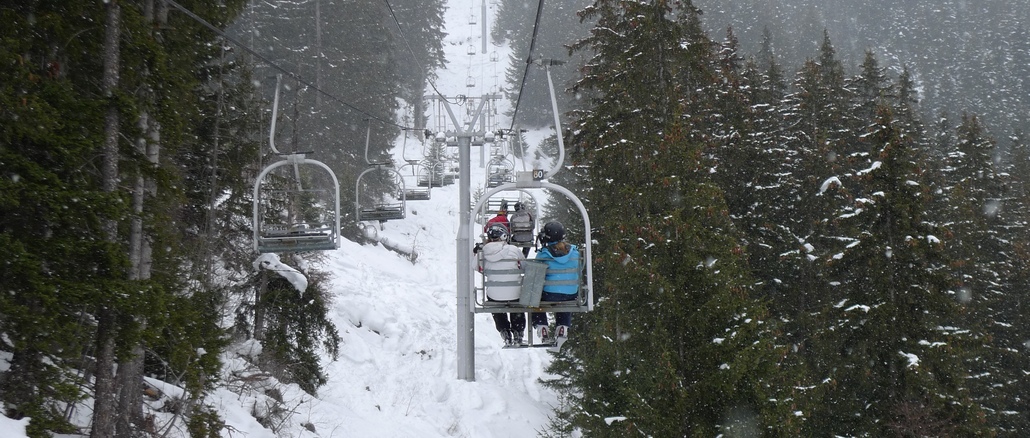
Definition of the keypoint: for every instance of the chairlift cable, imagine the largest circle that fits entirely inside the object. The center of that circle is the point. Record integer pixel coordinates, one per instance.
(412, 52)
(529, 61)
(275, 66)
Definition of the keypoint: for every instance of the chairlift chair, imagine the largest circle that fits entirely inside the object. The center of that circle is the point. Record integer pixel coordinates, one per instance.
(431, 174)
(379, 206)
(584, 301)
(299, 213)
(292, 217)
(500, 170)
(534, 179)
(410, 172)
(451, 171)
(382, 209)
(412, 190)
(522, 229)
(493, 205)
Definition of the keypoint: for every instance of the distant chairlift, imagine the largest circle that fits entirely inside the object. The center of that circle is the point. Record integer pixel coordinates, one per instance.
(523, 229)
(297, 211)
(500, 170)
(451, 170)
(430, 174)
(495, 202)
(411, 172)
(379, 208)
(378, 205)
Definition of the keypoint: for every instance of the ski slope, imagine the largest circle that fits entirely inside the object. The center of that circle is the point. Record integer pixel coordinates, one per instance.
(396, 375)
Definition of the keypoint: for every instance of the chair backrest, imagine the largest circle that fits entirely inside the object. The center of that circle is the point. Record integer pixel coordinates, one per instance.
(521, 223)
(501, 278)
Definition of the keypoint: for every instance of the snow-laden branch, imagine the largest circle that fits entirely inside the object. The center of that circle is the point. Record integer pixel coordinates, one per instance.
(270, 261)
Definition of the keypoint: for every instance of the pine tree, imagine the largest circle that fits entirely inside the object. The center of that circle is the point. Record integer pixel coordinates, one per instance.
(985, 257)
(91, 231)
(51, 214)
(296, 328)
(813, 157)
(891, 358)
(871, 88)
(1005, 360)
(675, 344)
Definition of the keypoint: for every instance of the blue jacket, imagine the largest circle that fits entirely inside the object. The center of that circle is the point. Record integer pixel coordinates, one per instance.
(561, 269)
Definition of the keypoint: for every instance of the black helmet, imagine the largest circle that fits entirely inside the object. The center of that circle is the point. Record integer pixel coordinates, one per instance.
(518, 206)
(552, 232)
(497, 232)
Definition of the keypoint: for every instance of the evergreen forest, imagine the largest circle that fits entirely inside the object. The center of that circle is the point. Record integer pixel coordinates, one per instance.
(806, 226)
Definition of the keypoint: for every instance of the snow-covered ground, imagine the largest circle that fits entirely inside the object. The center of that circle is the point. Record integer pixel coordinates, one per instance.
(396, 375)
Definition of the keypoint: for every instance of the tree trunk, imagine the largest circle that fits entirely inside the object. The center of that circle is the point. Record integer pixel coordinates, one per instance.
(130, 394)
(418, 104)
(129, 380)
(103, 387)
(259, 309)
(130, 373)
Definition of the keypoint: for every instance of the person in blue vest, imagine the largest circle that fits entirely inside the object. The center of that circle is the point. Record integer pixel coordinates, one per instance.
(561, 283)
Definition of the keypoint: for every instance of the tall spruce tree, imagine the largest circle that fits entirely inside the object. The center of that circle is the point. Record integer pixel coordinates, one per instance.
(1002, 390)
(983, 248)
(60, 261)
(891, 357)
(675, 345)
(812, 173)
(90, 244)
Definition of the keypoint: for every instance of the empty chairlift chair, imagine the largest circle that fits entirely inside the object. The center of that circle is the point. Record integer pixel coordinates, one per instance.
(413, 191)
(296, 202)
(298, 210)
(372, 195)
(500, 170)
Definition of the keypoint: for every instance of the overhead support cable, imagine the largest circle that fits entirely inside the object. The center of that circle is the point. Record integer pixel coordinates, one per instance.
(529, 61)
(276, 66)
(412, 52)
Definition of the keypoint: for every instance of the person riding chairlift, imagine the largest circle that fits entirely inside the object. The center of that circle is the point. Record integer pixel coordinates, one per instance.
(504, 260)
(500, 219)
(562, 268)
